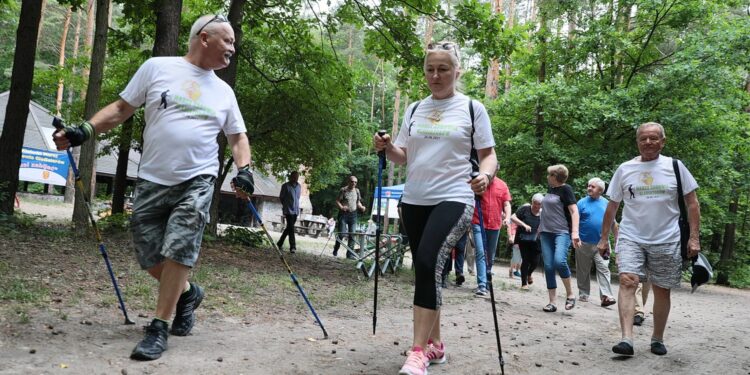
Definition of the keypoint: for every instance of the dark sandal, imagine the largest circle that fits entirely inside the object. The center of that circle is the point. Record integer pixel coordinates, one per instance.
(608, 301)
(570, 303)
(550, 308)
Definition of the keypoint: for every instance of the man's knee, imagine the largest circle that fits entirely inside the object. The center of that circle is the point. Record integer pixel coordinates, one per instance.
(629, 280)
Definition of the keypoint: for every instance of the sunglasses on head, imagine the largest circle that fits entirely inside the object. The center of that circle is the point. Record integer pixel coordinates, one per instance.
(446, 46)
(217, 18)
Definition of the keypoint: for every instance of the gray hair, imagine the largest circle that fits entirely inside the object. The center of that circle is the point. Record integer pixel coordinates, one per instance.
(598, 182)
(650, 125)
(538, 197)
(205, 23)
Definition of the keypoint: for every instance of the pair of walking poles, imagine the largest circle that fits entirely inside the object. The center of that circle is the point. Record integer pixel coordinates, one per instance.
(58, 124)
(478, 208)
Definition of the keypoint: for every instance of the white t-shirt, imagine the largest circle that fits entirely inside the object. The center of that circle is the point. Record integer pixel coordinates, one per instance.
(437, 139)
(649, 190)
(186, 107)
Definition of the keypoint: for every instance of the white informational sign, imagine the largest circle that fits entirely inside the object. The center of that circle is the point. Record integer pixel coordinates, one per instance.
(388, 201)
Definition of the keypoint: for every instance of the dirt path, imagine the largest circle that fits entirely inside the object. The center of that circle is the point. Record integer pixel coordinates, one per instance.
(78, 330)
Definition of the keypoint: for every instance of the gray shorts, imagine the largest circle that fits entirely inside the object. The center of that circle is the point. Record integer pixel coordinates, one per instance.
(660, 263)
(168, 221)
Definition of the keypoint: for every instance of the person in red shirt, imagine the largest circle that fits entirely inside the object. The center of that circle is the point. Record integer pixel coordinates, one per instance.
(496, 214)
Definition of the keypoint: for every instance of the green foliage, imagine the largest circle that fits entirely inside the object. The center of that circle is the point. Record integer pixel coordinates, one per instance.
(15, 289)
(254, 238)
(17, 222)
(115, 223)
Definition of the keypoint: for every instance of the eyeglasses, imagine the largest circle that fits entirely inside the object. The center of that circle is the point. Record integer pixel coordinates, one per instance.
(447, 46)
(217, 18)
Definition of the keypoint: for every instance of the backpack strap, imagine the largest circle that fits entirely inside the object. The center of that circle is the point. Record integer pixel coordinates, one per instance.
(413, 109)
(680, 196)
(473, 155)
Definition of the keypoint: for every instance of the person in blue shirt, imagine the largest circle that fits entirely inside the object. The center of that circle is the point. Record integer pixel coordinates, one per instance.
(591, 210)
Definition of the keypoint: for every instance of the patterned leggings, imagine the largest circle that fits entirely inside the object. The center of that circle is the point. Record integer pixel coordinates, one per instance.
(433, 231)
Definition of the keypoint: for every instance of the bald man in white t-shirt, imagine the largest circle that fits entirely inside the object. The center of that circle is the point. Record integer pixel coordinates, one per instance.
(186, 106)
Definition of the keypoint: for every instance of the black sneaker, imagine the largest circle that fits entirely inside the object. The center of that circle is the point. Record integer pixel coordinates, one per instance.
(658, 348)
(460, 279)
(623, 348)
(292, 250)
(184, 319)
(638, 320)
(154, 343)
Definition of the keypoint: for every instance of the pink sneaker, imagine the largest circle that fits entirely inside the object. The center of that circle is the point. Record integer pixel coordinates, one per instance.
(434, 354)
(416, 363)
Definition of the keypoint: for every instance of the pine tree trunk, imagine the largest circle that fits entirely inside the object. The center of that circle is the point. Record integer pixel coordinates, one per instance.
(17, 110)
(493, 68)
(93, 93)
(121, 172)
(41, 22)
(538, 171)
(229, 75)
(508, 69)
(727, 250)
(70, 182)
(61, 61)
(88, 39)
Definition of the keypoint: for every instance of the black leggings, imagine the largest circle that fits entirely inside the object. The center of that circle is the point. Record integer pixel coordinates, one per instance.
(433, 231)
(530, 258)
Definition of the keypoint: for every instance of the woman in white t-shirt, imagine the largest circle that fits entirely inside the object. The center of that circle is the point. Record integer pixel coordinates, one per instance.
(435, 142)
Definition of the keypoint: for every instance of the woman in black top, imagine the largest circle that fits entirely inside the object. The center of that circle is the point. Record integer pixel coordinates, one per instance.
(527, 237)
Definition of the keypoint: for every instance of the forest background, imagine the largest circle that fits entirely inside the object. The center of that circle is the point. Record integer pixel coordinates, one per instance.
(564, 82)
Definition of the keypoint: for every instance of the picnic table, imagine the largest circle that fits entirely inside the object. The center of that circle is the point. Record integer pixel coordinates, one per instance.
(306, 225)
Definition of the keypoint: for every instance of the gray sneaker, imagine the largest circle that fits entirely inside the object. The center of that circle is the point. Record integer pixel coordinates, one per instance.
(481, 292)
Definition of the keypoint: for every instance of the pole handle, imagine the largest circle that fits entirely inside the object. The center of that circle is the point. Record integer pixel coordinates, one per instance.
(381, 133)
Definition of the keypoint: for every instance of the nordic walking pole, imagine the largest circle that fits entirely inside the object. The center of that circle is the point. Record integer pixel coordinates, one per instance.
(289, 269)
(58, 124)
(378, 231)
(478, 207)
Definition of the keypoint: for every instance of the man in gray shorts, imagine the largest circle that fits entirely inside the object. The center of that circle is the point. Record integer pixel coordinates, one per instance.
(186, 106)
(648, 245)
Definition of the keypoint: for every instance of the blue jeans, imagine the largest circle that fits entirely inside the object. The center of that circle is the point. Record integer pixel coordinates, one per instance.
(347, 220)
(492, 237)
(555, 254)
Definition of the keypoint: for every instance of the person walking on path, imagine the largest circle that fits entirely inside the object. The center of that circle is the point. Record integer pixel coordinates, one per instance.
(186, 106)
(496, 212)
(648, 245)
(591, 210)
(558, 227)
(349, 201)
(527, 217)
(438, 203)
(289, 197)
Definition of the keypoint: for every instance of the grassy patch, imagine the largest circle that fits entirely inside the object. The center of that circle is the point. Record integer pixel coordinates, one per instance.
(24, 291)
(353, 294)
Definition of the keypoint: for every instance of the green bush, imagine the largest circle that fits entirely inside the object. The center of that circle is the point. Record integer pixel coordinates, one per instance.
(115, 223)
(245, 236)
(19, 220)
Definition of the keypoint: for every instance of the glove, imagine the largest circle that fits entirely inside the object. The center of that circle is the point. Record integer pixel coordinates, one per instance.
(78, 134)
(244, 180)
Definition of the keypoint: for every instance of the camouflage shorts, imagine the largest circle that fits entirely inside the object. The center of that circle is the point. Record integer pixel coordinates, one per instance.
(168, 221)
(660, 263)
